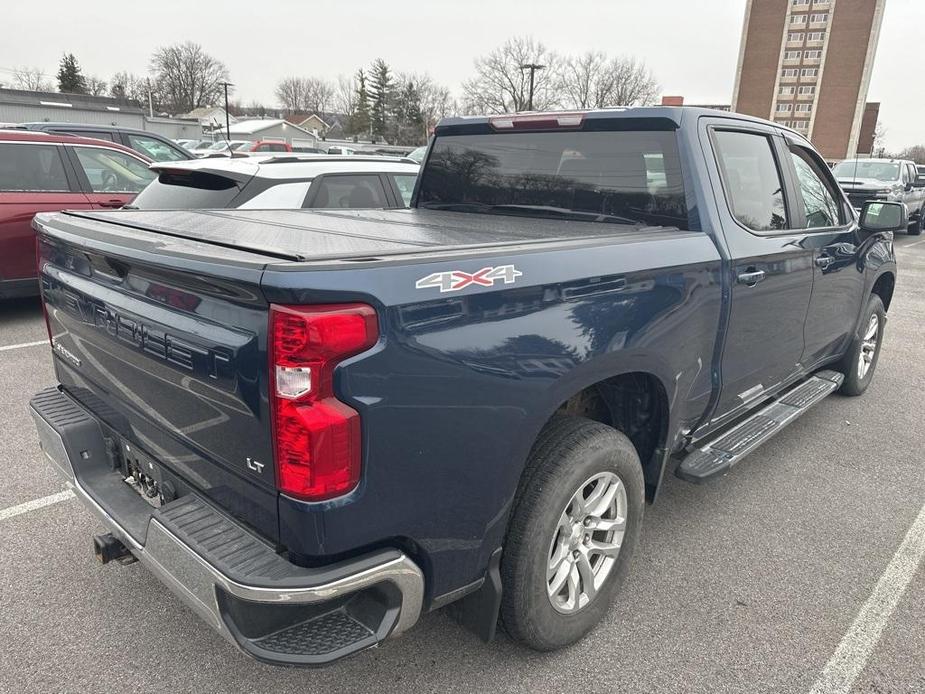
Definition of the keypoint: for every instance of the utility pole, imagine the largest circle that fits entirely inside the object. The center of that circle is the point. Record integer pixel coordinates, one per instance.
(150, 99)
(532, 67)
(227, 115)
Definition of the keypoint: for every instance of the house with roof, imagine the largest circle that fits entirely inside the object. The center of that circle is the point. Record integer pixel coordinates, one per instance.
(272, 129)
(23, 106)
(209, 116)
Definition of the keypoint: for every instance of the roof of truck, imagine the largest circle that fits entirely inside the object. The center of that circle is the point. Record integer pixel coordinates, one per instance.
(658, 117)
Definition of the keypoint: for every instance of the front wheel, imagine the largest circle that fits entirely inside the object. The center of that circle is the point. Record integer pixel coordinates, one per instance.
(915, 228)
(860, 362)
(575, 524)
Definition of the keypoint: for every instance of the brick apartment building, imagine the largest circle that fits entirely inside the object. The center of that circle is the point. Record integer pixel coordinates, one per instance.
(807, 64)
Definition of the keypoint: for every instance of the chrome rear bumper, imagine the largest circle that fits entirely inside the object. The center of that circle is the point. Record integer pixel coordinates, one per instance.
(179, 547)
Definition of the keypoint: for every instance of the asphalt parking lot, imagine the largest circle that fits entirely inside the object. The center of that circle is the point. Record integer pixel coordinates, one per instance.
(801, 571)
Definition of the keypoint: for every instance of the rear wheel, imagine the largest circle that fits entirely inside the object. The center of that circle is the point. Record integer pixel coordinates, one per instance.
(575, 525)
(860, 362)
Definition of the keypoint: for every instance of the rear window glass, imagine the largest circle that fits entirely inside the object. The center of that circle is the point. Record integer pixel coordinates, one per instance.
(31, 168)
(360, 191)
(630, 177)
(187, 190)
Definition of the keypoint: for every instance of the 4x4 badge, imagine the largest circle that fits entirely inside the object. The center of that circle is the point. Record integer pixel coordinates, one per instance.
(454, 280)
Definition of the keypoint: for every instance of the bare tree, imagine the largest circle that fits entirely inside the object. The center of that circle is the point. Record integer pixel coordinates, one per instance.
(435, 99)
(319, 94)
(290, 91)
(96, 86)
(501, 85)
(344, 99)
(31, 79)
(916, 153)
(630, 83)
(593, 80)
(188, 76)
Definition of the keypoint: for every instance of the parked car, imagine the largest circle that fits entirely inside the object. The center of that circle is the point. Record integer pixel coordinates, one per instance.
(148, 144)
(266, 146)
(40, 172)
(187, 144)
(281, 182)
(920, 171)
(220, 147)
(885, 179)
(314, 426)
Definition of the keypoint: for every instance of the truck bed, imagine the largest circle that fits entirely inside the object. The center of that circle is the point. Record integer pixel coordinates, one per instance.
(326, 235)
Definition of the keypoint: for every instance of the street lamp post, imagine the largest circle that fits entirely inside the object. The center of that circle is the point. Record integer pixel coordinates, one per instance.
(227, 116)
(532, 67)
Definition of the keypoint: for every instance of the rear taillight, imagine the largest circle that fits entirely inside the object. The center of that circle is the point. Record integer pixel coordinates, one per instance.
(317, 437)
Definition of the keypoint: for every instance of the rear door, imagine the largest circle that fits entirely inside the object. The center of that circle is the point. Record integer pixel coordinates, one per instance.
(771, 267)
(111, 178)
(33, 178)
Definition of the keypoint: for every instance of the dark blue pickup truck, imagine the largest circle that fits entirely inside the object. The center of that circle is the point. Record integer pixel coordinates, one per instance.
(314, 426)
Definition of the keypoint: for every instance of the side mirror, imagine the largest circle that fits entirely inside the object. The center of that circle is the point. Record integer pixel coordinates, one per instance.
(878, 217)
(909, 186)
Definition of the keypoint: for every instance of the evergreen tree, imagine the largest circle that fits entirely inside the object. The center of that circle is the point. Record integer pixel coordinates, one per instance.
(70, 78)
(380, 93)
(360, 120)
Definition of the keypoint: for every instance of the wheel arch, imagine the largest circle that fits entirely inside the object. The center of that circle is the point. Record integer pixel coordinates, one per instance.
(883, 287)
(636, 402)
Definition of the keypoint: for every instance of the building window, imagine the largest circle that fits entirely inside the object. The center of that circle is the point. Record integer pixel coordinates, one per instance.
(820, 18)
(791, 55)
(807, 90)
(816, 36)
(800, 3)
(798, 19)
(810, 72)
(804, 108)
(801, 125)
(790, 72)
(794, 37)
(787, 91)
(784, 108)
(812, 55)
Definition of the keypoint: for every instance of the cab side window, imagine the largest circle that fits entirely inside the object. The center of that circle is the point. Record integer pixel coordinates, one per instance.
(752, 180)
(821, 201)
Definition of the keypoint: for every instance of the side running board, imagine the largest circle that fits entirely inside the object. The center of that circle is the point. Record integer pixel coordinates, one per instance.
(715, 458)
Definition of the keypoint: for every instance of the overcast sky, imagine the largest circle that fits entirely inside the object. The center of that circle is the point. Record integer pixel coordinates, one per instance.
(691, 50)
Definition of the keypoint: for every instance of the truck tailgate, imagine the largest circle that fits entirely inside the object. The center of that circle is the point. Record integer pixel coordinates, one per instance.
(164, 340)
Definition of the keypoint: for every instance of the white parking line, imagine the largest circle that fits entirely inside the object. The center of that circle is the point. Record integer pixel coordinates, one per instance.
(24, 344)
(35, 504)
(855, 648)
(910, 245)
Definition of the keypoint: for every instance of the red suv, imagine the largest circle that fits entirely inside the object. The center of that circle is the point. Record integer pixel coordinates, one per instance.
(44, 173)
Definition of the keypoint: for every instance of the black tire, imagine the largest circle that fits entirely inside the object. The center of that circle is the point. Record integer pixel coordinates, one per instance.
(855, 383)
(569, 451)
(915, 227)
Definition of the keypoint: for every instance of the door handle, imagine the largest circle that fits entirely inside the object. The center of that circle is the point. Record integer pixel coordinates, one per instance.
(111, 203)
(750, 277)
(823, 261)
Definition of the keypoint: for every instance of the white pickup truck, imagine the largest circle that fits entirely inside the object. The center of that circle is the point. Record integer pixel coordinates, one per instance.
(885, 179)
